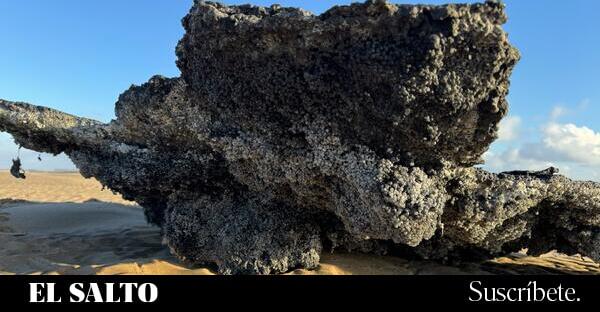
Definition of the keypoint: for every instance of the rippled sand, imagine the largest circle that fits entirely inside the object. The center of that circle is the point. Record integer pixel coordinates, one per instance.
(61, 223)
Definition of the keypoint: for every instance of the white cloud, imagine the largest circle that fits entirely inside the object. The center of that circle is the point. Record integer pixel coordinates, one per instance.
(574, 149)
(560, 111)
(573, 143)
(509, 128)
(565, 143)
(513, 159)
(584, 104)
(557, 112)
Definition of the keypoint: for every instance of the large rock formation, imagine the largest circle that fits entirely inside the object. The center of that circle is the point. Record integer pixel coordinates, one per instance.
(288, 133)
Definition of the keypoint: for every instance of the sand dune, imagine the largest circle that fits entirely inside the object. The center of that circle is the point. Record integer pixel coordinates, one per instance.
(60, 223)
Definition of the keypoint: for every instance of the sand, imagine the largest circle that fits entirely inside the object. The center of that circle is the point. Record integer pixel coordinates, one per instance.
(55, 187)
(61, 223)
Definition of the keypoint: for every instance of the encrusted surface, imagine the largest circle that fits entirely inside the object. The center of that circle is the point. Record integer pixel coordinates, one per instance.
(289, 133)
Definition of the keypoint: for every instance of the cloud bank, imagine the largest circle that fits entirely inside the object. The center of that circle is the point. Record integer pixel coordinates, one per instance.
(572, 148)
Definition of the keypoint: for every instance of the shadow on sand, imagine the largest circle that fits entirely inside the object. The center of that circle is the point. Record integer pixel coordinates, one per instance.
(97, 237)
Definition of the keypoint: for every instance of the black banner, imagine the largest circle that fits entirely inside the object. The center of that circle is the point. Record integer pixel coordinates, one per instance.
(353, 291)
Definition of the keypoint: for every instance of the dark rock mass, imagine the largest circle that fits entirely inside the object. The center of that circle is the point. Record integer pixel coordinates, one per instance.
(290, 134)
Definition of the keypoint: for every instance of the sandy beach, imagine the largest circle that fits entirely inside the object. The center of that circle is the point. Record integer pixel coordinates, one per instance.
(61, 223)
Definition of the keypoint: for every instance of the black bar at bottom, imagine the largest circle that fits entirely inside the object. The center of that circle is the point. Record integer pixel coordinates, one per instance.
(298, 291)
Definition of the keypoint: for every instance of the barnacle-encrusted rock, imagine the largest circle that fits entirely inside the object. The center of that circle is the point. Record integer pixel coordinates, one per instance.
(289, 133)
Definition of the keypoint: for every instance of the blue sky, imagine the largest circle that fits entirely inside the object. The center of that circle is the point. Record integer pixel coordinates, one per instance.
(78, 56)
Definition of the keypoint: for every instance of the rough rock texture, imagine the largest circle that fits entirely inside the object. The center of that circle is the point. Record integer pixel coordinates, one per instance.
(289, 133)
